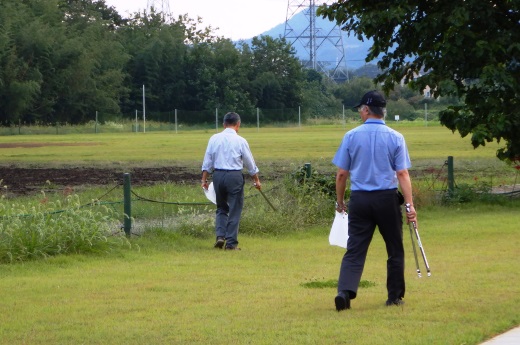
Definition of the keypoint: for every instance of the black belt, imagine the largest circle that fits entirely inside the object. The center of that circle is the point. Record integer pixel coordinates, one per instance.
(226, 170)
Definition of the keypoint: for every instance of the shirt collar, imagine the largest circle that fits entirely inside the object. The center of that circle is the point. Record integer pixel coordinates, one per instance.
(229, 130)
(377, 121)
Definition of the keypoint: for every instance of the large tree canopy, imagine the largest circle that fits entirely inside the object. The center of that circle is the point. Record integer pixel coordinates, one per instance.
(468, 48)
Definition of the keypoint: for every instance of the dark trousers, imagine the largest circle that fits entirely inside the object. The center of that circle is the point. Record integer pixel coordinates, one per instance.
(366, 210)
(229, 191)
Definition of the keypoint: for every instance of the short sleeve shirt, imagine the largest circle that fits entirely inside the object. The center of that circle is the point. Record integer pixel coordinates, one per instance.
(372, 153)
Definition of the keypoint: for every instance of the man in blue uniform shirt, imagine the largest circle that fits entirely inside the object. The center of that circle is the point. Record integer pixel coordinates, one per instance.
(226, 155)
(376, 159)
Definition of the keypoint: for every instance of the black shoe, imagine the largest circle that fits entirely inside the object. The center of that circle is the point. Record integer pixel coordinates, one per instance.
(220, 242)
(232, 248)
(342, 301)
(397, 302)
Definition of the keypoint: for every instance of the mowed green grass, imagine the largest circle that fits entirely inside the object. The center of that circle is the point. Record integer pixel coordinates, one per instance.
(298, 144)
(170, 289)
(180, 290)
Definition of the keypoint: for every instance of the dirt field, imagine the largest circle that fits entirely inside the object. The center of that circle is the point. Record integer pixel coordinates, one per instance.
(19, 180)
(27, 181)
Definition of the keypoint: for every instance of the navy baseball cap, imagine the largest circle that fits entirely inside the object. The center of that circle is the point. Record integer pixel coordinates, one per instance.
(373, 99)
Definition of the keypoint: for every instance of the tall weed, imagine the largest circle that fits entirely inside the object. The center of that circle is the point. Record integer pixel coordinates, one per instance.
(50, 228)
(294, 210)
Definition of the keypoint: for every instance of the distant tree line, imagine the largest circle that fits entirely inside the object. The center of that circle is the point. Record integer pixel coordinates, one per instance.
(63, 60)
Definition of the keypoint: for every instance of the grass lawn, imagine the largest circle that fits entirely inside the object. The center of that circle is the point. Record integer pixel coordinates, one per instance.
(268, 144)
(179, 290)
(281, 150)
(173, 289)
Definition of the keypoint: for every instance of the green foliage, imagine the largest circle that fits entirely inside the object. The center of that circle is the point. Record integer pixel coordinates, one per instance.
(318, 99)
(297, 205)
(333, 284)
(44, 229)
(315, 183)
(468, 49)
(317, 284)
(401, 108)
(62, 61)
(276, 74)
(296, 209)
(299, 202)
(351, 93)
(195, 224)
(480, 192)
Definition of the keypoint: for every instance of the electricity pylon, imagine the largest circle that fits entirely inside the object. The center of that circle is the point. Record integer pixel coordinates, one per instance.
(314, 39)
(160, 6)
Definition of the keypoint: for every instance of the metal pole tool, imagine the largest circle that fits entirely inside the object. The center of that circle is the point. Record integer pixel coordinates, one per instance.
(274, 209)
(413, 226)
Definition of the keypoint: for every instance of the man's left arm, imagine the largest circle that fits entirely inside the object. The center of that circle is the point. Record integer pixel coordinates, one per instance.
(249, 161)
(341, 184)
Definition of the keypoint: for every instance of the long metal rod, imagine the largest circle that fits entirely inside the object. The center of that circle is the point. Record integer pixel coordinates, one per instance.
(422, 249)
(274, 209)
(415, 252)
(414, 225)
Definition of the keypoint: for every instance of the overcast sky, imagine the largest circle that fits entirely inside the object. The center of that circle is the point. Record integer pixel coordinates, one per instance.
(236, 19)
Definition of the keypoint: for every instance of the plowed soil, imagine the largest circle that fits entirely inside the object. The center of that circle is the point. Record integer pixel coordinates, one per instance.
(27, 181)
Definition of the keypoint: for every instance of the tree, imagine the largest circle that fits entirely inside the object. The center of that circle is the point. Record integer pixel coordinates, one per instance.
(369, 70)
(57, 65)
(20, 81)
(470, 49)
(231, 79)
(157, 54)
(402, 108)
(350, 93)
(276, 75)
(89, 63)
(89, 11)
(174, 60)
(318, 99)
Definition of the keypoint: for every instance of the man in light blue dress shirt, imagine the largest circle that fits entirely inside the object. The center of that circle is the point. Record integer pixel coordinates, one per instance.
(226, 156)
(376, 159)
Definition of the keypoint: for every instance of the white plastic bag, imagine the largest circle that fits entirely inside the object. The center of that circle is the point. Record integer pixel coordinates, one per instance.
(339, 231)
(210, 193)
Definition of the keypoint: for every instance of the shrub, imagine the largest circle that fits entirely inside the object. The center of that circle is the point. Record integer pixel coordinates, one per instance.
(297, 206)
(480, 191)
(315, 183)
(298, 201)
(45, 229)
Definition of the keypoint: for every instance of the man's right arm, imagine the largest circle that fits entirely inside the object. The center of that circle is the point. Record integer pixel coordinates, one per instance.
(207, 165)
(204, 181)
(256, 182)
(406, 188)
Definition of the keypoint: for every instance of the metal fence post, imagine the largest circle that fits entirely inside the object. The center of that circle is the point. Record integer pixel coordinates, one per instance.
(127, 204)
(308, 170)
(451, 179)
